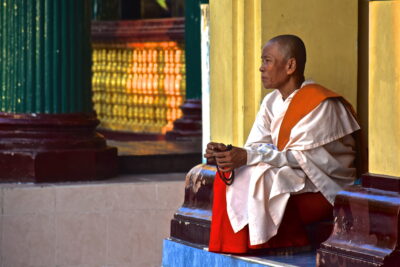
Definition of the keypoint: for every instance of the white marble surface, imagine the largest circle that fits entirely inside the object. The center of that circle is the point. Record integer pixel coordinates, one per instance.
(115, 223)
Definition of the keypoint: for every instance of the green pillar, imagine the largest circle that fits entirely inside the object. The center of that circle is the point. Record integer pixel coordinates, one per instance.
(106, 9)
(46, 116)
(45, 56)
(190, 125)
(192, 48)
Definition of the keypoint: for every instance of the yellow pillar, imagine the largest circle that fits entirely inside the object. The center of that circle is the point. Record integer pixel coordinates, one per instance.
(384, 88)
(367, 216)
(235, 29)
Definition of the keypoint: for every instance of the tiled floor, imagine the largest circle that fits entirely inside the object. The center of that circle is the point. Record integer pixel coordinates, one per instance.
(157, 156)
(115, 223)
(156, 147)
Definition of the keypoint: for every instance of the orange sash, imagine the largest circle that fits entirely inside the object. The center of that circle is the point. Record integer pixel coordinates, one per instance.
(306, 99)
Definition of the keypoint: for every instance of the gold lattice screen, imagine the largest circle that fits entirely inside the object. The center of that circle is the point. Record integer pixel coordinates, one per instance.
(138, 87)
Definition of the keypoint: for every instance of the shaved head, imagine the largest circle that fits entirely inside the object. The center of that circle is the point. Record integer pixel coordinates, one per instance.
(292, 46)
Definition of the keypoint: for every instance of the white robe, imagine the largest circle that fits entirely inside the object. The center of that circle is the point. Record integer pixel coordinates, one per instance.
(318, 157)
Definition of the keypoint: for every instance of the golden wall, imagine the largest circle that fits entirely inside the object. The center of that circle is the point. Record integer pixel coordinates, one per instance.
(138, 86)
(384, 88)
(235, 34)
(238, 30)
(329, 30)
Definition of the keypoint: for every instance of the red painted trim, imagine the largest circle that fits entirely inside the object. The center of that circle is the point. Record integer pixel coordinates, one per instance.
(147, 30)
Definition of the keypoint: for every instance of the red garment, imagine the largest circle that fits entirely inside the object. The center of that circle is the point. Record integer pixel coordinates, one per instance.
(301, 210)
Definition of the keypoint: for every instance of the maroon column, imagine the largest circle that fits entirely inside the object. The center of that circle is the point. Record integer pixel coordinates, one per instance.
(53, 148)
(190, 125)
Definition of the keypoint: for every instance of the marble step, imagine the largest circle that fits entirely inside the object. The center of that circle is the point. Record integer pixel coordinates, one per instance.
(156, 156)
(182, 254)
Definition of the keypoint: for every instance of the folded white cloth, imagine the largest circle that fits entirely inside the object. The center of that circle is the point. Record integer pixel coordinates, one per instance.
(318, 157)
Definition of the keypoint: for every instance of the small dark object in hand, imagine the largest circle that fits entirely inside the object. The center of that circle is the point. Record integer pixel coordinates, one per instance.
(227, 180)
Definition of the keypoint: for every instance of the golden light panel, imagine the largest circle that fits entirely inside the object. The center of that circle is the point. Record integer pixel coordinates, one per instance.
(138, 87)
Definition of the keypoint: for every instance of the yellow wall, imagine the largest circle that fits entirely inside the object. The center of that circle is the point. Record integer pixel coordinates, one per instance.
(238, 30)
(329, 30)
(235, 35)
(384, 87)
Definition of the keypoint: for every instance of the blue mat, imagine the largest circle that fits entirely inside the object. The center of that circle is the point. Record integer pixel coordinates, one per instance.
(176, 254)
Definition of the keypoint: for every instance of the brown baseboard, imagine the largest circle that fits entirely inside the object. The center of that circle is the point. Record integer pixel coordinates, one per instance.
(192, 221)
(367, 224)
(190, 125)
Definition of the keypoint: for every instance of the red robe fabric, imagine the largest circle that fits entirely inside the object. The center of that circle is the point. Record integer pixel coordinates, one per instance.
(301, 209)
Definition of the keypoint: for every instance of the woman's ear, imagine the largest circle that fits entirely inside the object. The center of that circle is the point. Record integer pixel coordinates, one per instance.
(291, 66)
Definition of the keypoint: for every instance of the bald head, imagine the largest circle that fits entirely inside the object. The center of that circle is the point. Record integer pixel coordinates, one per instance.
(292, 46)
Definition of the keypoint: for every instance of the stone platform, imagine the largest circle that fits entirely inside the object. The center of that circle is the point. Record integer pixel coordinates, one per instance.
(181, 254)
(120, 222)
(157, 156)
